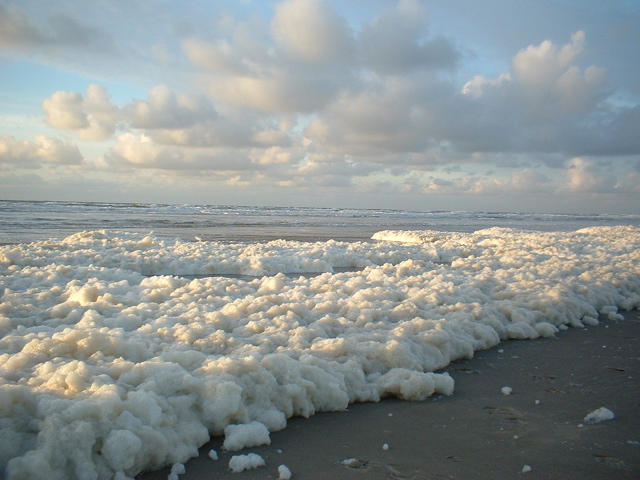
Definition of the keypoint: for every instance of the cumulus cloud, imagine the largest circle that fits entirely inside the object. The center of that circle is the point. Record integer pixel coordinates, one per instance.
(41, 150)
(545, 104)
(395, 42)
(166, 109)
(312, 31)
(391, 115)
(166, 117)
(219, 56)
(274, 156)
(546, 80)
(307, 56)
(141, 151)
(210, 133)
(585, 176)
(278, 90)
(90, 117)
(312, 173)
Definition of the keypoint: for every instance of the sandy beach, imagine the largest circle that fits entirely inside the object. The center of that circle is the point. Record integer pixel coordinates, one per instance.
(478, 432)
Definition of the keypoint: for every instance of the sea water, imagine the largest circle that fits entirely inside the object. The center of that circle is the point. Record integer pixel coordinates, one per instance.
(129, 334)
(30, 221)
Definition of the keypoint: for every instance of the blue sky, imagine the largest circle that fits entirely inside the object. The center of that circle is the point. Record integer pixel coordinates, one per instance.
(458, 105)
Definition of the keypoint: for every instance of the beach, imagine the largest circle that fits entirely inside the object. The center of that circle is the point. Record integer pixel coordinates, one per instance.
(478, 432)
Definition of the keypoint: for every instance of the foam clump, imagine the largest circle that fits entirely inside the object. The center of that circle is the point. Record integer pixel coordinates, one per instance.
(600, 415)
(177, 469)
(122, 352)
(240, 463)
(252, 434)
(284, 473)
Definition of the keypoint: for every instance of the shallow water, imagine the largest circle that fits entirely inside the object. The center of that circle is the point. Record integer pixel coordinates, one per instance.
(29, 221)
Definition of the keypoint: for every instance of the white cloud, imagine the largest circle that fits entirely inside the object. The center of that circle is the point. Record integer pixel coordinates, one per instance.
(42, 150)
(274, 156)
(296, 66)
(166, 109)
(280, 136)
(545, 81)
(92, 117)
(140, 151)
(587, 177)
(388, 116)
(550, 81)
(64, 110)
(219, 56)
(166, 117)
(312, 31)
(275, 90)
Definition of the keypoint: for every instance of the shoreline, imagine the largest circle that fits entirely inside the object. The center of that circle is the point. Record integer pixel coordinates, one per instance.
(477, 432)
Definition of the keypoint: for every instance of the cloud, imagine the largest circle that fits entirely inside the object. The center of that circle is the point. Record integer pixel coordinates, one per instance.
(219, 56)
(545, 104)
(313, 32)
(390, 115)
(618, 134)
(546, 81)
(168, 110)
(394, 42)
(274, 156)
(64, 110)
(42, 150)
(296, 66)
(17, 31)
(140, 151)
(275, 90)
(585, 176)
(166, 117)
(92, 117)
(312, 173)
(630, 183)
(520, 182)
(304, 93)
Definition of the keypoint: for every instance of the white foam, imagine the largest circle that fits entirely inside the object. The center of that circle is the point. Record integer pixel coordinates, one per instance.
(177, 469)
(600, 415)
(284, 473)
(240, 463)
(113, 360)
(251, 434)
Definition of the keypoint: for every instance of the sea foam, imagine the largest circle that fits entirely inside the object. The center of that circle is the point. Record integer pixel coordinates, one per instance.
(122, 352)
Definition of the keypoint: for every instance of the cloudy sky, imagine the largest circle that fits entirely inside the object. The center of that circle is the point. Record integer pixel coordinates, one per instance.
(434, 105)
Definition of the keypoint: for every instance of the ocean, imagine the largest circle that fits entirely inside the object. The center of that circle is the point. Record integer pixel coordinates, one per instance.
(130, 334)
(22, 221)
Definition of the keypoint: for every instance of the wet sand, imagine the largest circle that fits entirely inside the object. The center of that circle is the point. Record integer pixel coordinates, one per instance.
(477, 433)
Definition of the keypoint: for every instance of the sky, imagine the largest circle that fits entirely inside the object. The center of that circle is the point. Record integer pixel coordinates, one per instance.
(497, 105)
